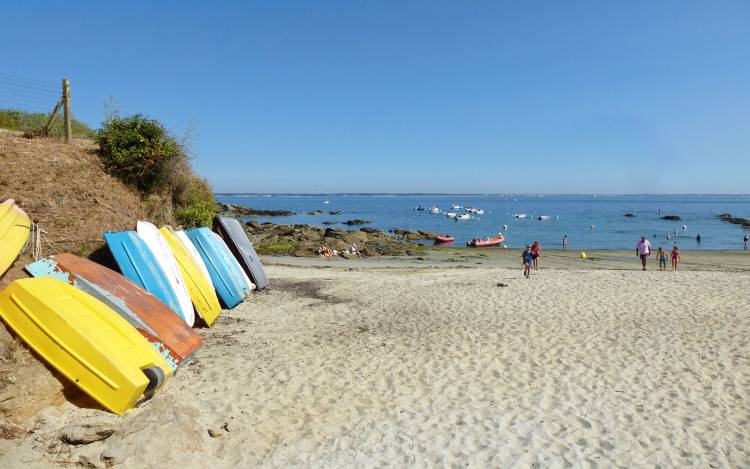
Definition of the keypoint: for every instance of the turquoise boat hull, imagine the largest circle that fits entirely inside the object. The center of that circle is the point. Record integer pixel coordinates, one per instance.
(138, 263)
(226, 277)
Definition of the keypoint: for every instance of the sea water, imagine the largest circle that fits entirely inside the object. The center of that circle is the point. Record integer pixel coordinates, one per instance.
(589, 221)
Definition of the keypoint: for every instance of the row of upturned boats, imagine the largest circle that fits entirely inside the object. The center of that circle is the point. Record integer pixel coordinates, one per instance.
(119, 336)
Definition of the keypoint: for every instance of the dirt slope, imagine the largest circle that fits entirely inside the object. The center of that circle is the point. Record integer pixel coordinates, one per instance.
(66, 191)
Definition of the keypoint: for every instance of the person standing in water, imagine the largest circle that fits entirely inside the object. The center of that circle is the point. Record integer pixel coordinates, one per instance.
(746, 240)
(565, 242)
(643, 250)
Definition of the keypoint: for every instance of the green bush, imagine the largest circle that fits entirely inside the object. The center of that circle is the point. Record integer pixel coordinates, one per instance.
(199, 206)
(32, 124)
(139, 151)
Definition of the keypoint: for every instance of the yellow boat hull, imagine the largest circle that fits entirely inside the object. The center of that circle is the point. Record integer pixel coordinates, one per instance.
(15, 227)
(84, 340)
(201, 291)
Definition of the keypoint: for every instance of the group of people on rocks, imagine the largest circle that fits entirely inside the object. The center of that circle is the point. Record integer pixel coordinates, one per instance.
(352, 250)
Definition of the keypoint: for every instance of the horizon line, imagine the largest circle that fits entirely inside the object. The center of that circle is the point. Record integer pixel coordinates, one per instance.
(503, 194)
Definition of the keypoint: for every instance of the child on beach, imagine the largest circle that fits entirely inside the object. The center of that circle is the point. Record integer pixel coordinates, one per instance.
(528, 260)
(661, 255)
(675, 255)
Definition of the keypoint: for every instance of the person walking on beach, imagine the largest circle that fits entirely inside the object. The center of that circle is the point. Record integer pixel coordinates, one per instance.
(565, 241)
(536, 251)
(661, 255)
(675, 255)
(643, 250)
(528, 261)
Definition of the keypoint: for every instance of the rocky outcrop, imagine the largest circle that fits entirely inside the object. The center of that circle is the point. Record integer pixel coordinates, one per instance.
(671, 217)
(357, 222)
(240, 211)
(414, 235)
(306, 240)
(727, 217)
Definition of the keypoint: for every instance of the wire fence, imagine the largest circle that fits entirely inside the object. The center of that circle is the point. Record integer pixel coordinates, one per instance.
(27, 95)
(38, 108)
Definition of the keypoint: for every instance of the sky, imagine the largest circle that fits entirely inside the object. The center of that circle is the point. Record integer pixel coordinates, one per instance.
(415, 96)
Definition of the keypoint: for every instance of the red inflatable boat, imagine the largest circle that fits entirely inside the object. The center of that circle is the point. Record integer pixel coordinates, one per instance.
(444, 239)
(480, 243)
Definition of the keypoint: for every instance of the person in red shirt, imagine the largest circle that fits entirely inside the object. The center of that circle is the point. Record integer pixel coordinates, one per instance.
(675, 258)
(536, 251)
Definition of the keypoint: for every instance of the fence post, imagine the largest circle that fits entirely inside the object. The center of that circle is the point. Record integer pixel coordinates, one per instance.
(66, 107)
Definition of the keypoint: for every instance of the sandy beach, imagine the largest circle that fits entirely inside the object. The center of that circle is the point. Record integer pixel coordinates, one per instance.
(436, 363)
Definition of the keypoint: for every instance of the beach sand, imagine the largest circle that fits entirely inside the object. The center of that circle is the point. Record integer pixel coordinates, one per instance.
(428, 363)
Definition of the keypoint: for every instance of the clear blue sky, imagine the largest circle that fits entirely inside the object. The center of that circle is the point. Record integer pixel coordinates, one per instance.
(402, 96)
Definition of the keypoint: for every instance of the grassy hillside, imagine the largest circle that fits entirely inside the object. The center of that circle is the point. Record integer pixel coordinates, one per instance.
(66, 190)
(32, 123)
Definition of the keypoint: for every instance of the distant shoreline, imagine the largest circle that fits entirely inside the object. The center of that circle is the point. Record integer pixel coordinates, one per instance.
(447, 194)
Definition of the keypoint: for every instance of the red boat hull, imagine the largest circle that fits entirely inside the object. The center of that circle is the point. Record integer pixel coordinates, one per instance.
(444, 239)
(496, 241)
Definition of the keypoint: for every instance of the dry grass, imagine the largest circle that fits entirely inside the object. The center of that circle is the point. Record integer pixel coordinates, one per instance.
(66, 191)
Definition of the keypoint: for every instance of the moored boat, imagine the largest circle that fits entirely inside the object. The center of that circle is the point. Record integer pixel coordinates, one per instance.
(444, 239)
(463, 216)
(486, 242)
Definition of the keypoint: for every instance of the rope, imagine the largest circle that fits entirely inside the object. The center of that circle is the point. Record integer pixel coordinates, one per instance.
(34, 241)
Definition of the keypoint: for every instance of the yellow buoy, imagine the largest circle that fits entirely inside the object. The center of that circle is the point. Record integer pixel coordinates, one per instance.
(583, 255)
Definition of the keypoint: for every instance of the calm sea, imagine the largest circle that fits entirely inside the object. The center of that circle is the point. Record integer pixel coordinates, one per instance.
(571, 215)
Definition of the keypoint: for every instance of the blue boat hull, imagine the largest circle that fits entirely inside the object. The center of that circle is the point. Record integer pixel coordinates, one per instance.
(226, 278)
(137, 262)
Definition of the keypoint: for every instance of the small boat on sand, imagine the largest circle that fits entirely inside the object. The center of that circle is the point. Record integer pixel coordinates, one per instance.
(480, 243)
(444, 239)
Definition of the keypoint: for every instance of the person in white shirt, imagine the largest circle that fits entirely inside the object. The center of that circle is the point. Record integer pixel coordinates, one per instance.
(643, 250)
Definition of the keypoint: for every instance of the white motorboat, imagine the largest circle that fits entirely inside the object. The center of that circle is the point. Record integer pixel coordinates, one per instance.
(520, 215)
(463, 216)
(434, 210)
(544, 217)
(451, 214)
(457, 207)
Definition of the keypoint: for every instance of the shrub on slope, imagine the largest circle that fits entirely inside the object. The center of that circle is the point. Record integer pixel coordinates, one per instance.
(141, 152)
